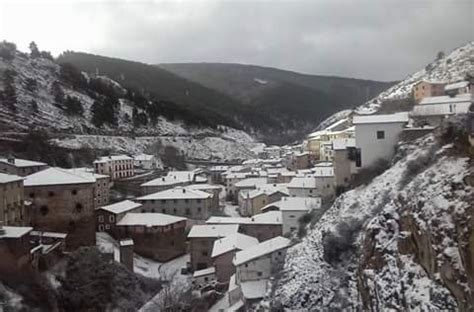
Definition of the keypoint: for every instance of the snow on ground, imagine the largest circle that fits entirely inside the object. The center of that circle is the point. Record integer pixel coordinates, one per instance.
(207, 148)
(231, 210)
(221, 305)
(450, 68)
(10, 300)
(309, 282)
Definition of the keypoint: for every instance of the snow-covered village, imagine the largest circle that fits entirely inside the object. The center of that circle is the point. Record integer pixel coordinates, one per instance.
(186, 186)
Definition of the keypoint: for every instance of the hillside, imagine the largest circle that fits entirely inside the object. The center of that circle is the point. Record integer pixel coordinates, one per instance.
(451, 67)
(298, 100)
(259, 102)
(87, 110)
(401, 242)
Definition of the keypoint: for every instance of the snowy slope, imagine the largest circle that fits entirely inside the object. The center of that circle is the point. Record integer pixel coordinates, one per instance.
(222, 144)
(451, 68)
(325, 271)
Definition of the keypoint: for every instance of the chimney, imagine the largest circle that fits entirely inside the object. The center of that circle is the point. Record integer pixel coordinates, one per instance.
(11, 159)
(124, 253)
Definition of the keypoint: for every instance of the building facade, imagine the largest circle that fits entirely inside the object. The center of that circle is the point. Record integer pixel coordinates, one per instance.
(20, 167)
(180, 201)
(116, 166)
(426, 89)
(12, 210)
(62, 202)
(377, 135)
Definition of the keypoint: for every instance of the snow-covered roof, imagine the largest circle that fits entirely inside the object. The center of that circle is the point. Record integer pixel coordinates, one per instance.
(177, 193)
(321, 171)
(56, 176)
(271, 217)
(254, 289)
(213, 230)
(237, 175)
(335, 125)
(302, 182)
(204, 272)
(342, 144)
(445, 99)
(295, 204)
(7, 178)
(250, 182)
(149, 219)
(261, 249)
(236, 241)
(112, 158)
(121, 207)
(456, 85)
(49, 234)
(87, 173)
(126, 242)
(175, 177)
(22, 163)
(14, 231)
(204, 186)
(219, 168)
(374, 119)
(143, 157)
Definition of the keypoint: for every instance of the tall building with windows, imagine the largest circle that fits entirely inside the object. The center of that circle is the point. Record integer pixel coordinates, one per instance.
(12, 210)
(62, 201)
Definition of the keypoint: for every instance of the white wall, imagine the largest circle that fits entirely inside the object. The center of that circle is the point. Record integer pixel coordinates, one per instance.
(265, 264)
(373, 148)
(290, 220)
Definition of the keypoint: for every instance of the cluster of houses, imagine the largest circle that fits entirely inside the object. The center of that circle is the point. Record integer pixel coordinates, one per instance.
(45, 211)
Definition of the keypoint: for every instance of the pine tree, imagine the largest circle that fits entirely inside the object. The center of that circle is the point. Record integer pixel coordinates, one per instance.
(57, 93)
(34, 50)
(73, 106)
(9, 92)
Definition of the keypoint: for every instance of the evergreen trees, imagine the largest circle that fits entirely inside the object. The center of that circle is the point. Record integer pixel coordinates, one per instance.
(8, 95)
(104, 112)
(58, 94)
(73, 106)
(35, 53)
(7, 50)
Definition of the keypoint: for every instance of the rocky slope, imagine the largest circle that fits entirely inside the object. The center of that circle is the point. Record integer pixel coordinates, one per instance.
(402, 242)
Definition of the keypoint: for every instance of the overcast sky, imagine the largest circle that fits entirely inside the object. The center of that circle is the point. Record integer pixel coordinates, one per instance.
(377, 39)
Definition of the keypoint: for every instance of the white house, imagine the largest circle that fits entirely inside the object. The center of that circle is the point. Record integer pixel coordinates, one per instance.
(377, 135)
(204, 277)
(253, 268)
(115, 166)
(292, 209)
(145, 161)
(432, 110)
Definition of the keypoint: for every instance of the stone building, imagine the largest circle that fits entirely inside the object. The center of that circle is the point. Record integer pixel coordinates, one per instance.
(155, 235)
(101, 187)
(62, 202)
(262, 226)
(20, 167)
(116, 166)
(224, 250)
(254, 266)
(15, 260)
(425, 88)
(12, 211)
(108, 216)
(201, 242)
(180, 201)
(215, 190)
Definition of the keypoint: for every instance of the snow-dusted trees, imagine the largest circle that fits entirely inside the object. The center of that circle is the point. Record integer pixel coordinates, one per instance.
(8, 96)
(34, 51)
(7, 50)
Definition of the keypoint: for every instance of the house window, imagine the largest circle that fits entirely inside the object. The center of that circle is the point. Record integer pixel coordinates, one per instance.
(206, 279)
(101, 227)
(74, 192)
(101, 218)
(380, 135)
(32, 195)
(107, 226)
(78, 207)
(44, 210)
(246, 265)
(51, 194)
(188, 212)
(111, 218)
(204, 253)
(259, 273)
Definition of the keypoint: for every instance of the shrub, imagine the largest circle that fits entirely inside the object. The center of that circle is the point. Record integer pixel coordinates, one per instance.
(73, 106)
(340, 242)
(7, 50)
(366, 175)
